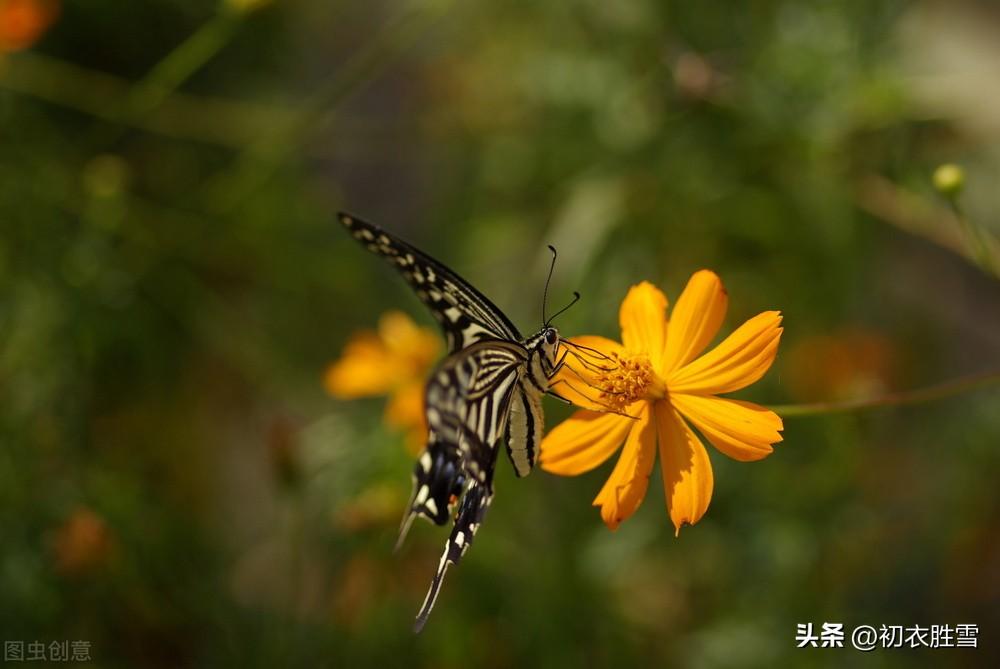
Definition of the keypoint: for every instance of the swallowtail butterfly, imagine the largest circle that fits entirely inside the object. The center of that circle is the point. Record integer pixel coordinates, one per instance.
(489, 388)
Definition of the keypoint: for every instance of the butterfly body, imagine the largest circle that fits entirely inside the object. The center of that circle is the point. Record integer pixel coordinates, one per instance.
(487, 389)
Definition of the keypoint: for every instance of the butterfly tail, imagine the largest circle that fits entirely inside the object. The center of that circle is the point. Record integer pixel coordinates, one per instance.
(470, 516)
(404, 529)
(432, 592)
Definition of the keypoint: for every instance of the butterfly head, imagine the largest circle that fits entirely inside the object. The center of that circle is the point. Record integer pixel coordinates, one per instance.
(549, 345)
(545, 345)
(544, 349)
(543, 352)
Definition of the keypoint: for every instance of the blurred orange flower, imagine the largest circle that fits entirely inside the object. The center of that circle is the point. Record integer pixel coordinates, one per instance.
(841, 365)
(394, 360)
(82, 543)
(653, 387)
(22, 22)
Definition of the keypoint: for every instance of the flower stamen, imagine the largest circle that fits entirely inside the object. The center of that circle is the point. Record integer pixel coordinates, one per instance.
(632, 378)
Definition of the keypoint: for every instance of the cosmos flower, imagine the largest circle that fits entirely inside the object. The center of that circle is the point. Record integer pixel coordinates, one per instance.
(653, 389)
(395, 361)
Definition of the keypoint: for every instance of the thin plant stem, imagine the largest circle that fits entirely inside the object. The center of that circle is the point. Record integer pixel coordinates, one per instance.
(181, 63)
(939, 391)
(216, 121)
(974, 235)
(144, 98)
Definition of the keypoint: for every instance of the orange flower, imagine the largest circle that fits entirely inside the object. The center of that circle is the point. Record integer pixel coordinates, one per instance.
(393, 361)
(840, 365)
(659, 385)
(22, 22)
(83, 543)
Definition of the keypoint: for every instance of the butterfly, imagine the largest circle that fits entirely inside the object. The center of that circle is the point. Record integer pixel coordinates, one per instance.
(488, 388)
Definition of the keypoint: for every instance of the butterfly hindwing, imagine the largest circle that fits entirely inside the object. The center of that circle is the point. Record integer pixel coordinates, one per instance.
(468, 399)
(473, 509)
(465, 314)
(524, 428)
(438, 482)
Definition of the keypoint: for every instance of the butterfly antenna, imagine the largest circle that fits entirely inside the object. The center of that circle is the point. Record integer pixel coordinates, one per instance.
(545, 293)
(576, 298)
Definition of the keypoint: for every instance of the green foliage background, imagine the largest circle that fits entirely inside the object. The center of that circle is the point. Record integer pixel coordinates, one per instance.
(172, 287)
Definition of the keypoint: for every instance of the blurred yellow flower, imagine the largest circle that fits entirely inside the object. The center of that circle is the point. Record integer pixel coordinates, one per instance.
(653, 387)
(22, 22)
(394, 360)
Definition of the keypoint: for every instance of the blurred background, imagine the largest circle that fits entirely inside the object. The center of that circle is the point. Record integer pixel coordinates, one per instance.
(179, 488)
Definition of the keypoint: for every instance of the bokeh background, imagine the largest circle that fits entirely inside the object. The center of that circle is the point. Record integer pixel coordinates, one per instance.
(178, 488)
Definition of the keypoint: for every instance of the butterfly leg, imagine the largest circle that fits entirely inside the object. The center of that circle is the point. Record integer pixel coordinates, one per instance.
(470, 516)
(559, 363)
(552, 393)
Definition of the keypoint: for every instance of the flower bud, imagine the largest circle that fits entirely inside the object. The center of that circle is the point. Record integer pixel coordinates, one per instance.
(949, 179)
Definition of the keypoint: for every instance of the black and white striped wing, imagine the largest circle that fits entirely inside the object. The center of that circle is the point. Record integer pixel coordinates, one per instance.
(468, 403)
(438, 483)
(465, 314)
(475, 503)
(525, 426)
(468, 400)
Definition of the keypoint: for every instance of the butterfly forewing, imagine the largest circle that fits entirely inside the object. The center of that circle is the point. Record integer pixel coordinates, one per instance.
(465, 314)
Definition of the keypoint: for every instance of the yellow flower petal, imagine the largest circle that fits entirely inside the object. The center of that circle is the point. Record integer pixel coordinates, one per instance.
(695, 320)
(413, 346)
(406, 406)
(602, 344)
(577, 381)
(687, 472)
(742, 430)
(626, 487)
(643, 319)
(582, 442)
(365, 369)
(741, 359)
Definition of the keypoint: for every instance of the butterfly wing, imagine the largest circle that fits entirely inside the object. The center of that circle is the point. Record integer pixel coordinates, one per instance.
(438, 482)
(468, 400)
(470, 516)
(468, 404)
(525, 425)
(465, 314)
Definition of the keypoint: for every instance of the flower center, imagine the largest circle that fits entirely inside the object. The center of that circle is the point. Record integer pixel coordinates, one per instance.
(628, 379)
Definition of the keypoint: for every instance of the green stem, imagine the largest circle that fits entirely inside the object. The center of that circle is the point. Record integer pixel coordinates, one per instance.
(975, 236)
(224, 122)
(180, 64)
(902, 398)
